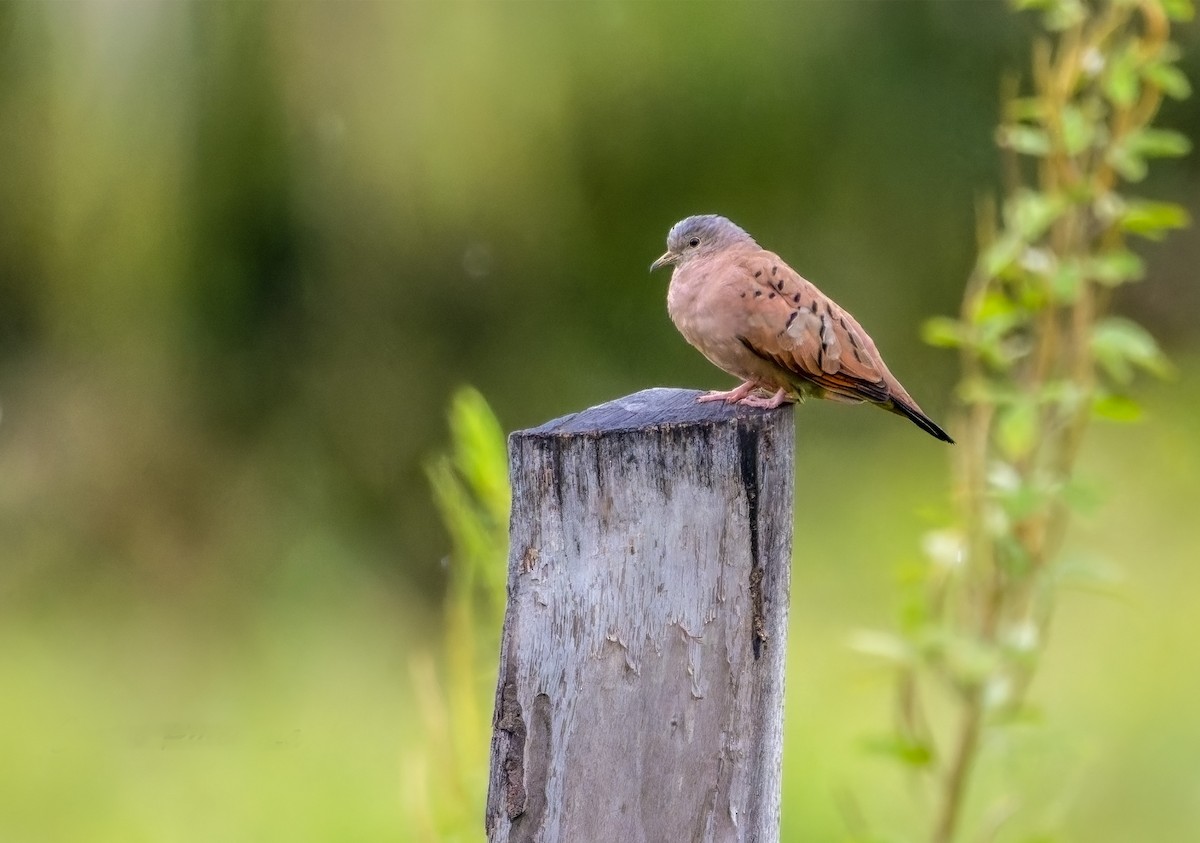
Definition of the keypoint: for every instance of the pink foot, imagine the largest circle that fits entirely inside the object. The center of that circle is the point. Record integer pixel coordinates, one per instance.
(736, 394)
(780, 397)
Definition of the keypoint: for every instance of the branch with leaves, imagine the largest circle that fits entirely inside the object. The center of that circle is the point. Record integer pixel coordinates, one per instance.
(1041, 356)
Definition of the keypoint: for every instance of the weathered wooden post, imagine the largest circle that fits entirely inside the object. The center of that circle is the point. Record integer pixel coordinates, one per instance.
(640, 695)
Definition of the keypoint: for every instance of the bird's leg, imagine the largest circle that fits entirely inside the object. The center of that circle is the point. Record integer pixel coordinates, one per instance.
(736, 394)
(780, 397)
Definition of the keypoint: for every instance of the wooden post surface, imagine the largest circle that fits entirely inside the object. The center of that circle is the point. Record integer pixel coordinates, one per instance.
(640, 691)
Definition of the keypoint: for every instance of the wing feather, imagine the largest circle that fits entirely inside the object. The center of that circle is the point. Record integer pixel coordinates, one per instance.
(803, 332)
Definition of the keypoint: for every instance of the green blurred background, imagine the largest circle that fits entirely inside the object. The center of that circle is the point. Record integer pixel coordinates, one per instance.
(249, 250)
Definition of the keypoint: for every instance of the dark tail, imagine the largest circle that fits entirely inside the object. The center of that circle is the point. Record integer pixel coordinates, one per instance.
(914, 415)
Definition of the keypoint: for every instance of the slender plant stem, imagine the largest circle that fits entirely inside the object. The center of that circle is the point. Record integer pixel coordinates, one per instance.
(959, 773)
(1039, 368)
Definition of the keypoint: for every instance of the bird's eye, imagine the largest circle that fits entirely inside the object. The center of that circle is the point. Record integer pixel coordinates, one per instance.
(694, 242)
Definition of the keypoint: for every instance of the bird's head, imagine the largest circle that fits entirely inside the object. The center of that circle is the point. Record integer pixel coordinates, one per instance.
(700, 236)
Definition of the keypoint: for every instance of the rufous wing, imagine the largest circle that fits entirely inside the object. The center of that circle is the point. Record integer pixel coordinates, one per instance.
(798, 328)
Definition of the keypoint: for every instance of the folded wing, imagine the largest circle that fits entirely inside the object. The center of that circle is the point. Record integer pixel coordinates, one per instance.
(798, 328)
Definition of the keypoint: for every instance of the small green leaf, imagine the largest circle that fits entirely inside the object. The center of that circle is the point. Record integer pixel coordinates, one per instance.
(996, 311)
(1017, 429)
(1120, 345)
(944, 332)
(1116, 267)
(1078, 131)
(1064, 14)
(1121, 81)
(1158, 143)
(1169, 79)
(1117, 408)
(1067, 281)
(1127, 162)
(1153, 219)
(1062, 393)
(1026, 140)
(904, 749)
(1001, 255)
(1031, 213)
(994, 319)
(1001, 354)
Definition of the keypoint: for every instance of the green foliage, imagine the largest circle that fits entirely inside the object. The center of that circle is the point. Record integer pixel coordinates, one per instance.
(1129, 155)
(1152, 220)
(470, 486)
(1040, 357)
(908, 752)
(1121, 345)
(447, 769)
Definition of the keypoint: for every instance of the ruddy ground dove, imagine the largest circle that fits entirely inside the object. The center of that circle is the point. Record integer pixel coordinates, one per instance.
(755, 317)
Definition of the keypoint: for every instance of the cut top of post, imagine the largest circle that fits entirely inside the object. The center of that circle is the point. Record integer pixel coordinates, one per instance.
(650, 408)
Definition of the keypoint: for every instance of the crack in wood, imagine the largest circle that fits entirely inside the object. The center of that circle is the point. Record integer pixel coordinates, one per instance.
(748, 457)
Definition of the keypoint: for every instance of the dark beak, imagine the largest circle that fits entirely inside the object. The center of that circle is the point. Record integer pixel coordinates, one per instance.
(666, 260)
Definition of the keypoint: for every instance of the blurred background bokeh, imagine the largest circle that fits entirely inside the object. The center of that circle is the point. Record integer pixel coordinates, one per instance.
(249, 250)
